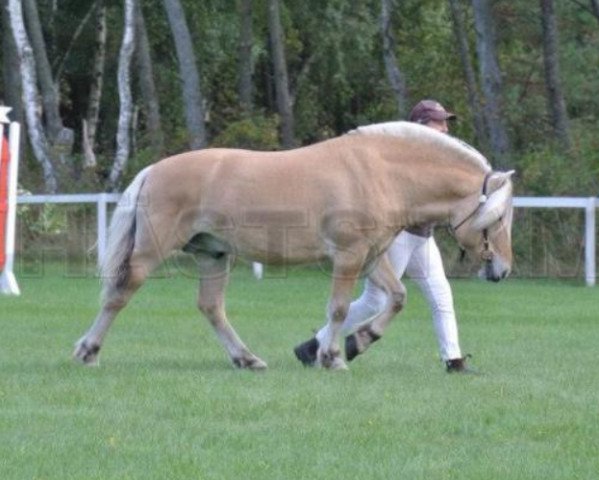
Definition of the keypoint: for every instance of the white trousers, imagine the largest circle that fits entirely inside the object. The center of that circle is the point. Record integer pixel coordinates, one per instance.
(420, 258)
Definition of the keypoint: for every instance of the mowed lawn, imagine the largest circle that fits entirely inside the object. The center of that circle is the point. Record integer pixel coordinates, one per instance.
(166, 403)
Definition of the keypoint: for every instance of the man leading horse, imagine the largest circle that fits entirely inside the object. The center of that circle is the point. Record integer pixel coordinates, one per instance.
(415, 252)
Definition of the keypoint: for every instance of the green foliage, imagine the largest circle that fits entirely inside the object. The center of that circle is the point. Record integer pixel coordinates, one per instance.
(141, 159)
(338, 81)
(257, 132)
(542, 171)
(41, 219)
(545, 170)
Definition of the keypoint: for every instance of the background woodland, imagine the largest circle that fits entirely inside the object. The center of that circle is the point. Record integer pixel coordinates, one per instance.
(106, 87)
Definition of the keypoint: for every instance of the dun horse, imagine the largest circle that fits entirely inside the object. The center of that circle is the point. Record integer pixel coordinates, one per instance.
(343, 199)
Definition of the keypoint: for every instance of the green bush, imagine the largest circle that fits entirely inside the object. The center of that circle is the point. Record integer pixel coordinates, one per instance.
(258, 132)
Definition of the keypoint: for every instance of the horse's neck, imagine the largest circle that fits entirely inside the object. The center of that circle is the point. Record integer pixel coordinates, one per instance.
(436, 194)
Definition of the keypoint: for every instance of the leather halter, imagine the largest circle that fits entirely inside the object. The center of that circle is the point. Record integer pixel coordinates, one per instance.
(487, 254)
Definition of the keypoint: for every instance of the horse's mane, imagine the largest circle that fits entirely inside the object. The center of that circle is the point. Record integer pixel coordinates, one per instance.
(410, 130)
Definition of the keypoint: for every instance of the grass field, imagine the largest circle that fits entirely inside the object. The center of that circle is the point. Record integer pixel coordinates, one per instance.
(166, 404)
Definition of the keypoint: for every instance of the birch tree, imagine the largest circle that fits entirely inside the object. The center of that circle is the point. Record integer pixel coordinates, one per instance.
(37, 137)
(283, 96)
(394, 74)
(11, 77)
(126, 103)
(556, 104)
(90, 123)
(190, 77)
(60, 137)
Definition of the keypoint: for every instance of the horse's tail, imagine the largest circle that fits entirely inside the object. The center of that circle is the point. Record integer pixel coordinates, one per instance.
(121, 237)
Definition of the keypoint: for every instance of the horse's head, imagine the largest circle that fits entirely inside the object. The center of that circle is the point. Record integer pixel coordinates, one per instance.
(482, 225)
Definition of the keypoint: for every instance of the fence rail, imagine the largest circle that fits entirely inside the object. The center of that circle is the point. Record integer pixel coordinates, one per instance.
(588, 204)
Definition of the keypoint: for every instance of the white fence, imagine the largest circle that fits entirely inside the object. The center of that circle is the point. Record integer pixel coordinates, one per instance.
(588, 204)
(100, 199)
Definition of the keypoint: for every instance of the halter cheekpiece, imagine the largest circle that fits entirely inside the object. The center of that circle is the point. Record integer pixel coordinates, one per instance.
(486, 254)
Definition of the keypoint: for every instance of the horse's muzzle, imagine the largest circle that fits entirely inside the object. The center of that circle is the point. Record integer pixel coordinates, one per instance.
(494, 271)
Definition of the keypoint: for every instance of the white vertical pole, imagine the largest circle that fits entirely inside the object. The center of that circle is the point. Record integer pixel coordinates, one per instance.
(8, 282)
(258, 270)
(589, 242)
(102, 229)
(4, 267)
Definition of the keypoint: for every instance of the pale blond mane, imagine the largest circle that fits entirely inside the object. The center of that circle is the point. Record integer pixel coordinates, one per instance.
(410, 130)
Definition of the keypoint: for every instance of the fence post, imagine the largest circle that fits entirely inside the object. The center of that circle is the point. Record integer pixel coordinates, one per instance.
(589, 242)
(102, 229)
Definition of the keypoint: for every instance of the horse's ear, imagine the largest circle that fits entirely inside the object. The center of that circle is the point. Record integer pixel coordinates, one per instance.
(499, 188)
(498, 180)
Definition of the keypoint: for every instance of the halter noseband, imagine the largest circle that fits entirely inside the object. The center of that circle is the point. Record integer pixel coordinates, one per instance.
(487, 254)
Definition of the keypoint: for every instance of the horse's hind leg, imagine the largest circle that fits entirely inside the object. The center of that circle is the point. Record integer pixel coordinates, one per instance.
(116, 295)
(384, 277)
(214, 275)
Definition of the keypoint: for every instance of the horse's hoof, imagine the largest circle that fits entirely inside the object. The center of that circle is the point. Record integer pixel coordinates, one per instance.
(338, 364)
(258, 364)
(306, 352)
(331, 361)
(251, 363)
(87, 354)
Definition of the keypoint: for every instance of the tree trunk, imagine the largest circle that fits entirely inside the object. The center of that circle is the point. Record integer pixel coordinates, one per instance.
(126, 107)
(89, 156)
(50, 96)
(246, 62)
(37, 136)
(95, 91)
(61, 139)
(396, 78)
(51, 22)
(11, 76)
(469, 75)
(192, 94)
(147, 85)
(491, 80)
(595, 8)
(555, 97)
(283, 95)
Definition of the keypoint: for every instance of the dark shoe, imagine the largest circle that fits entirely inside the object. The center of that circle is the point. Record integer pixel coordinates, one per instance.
(306, 352)
(458, 365)
(351, 347)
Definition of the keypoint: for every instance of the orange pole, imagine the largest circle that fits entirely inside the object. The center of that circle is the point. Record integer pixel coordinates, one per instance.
(4, 160)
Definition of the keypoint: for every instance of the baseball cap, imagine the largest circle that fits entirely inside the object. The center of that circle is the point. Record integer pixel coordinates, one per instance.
(426, 110)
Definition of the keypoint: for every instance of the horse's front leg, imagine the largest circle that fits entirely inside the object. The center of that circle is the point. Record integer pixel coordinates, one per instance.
(345, 275)
(383, 277)
(214, 275)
